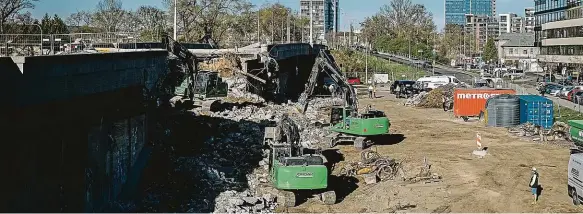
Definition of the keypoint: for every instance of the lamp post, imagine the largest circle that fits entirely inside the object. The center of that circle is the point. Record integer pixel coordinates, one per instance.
(311, 24)
(175, 12)
(41, 36)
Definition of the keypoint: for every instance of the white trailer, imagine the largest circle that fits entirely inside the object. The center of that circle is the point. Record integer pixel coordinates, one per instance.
(381, 78)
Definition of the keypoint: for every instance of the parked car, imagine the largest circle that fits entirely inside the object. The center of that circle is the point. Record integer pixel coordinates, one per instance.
(400, 83)
(577, 97)
(552, 88)
(564, 91)
(353, 81)
(570, 94)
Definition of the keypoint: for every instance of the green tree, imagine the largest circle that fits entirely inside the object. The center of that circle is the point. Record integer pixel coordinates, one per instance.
(58, 26)
(54, 25)
(490, 51)
(46, 24)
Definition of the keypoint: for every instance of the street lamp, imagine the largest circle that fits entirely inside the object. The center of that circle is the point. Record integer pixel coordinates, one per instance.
(311, 24)
(41, 36)
(175, 12)
(365, 52)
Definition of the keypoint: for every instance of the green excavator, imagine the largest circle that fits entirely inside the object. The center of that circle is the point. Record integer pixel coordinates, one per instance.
(292, 170)
(202, 88)
(349, 125)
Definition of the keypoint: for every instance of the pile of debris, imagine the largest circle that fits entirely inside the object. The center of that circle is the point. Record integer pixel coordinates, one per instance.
(558, 132)
(235, 151)
(244, 202)
(373, 167)
(225, 65)
(238, 91)
(435, 98)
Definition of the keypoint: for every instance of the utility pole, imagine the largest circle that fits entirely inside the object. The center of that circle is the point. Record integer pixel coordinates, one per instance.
(258, 28)
(311, 24)
(175, 12)
(335, 28)
(288, 30)
(365, 55)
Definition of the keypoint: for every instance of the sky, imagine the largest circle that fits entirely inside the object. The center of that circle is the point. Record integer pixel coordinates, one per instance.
(354, 10)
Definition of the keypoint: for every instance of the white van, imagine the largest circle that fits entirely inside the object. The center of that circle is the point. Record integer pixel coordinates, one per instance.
(432, 82)
(575, 178)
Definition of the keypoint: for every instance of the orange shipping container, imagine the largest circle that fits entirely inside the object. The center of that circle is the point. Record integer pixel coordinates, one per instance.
(469, 102)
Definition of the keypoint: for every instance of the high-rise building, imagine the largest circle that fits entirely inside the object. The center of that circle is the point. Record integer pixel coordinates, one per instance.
(506, 22)
(529, 19)
(558, 33)
(517, 24)
(325, 17)
(480, 29)
(456, 10)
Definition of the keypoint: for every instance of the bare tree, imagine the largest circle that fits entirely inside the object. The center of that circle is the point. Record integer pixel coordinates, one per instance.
(109, 15)
(150, 21)
(9, 8)
(80, 18)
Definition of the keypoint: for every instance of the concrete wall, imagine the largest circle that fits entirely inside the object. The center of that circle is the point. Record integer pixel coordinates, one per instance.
(58, 77)
(10, 80)
(78, 139)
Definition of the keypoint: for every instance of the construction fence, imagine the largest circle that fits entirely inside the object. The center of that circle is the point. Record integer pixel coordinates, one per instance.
(49, 44)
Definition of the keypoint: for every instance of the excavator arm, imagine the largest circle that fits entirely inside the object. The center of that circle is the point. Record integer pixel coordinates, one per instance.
(325, 63)
(186, 57)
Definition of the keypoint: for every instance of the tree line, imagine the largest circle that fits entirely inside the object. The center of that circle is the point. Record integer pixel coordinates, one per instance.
(227, 21)
(407, 28)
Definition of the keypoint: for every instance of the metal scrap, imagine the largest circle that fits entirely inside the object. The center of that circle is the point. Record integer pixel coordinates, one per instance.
(384, 168)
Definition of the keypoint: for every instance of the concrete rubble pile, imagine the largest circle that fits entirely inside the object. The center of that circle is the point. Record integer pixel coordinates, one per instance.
(435, 98)
(238, 145)
(238, 91)
(417, 99)
(559, 132)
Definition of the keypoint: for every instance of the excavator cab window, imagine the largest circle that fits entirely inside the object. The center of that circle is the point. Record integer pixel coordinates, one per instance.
(294, 161)
(336, 115)
(314, 160)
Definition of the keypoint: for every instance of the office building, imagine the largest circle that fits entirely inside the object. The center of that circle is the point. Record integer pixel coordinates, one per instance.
(558, 33)
(529, 19)
(456, 10)
(325, 17)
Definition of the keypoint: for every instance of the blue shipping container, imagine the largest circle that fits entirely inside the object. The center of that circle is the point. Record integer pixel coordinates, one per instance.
(537, 110)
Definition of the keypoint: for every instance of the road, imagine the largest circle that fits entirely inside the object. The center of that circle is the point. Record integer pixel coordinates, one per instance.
(466, 77)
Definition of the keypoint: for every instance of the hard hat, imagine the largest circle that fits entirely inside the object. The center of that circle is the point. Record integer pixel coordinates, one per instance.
(533, 169)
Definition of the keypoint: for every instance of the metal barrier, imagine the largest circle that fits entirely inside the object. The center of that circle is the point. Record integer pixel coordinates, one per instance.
(21, 44)
(48, 44)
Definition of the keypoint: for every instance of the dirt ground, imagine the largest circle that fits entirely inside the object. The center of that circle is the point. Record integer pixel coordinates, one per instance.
(496, 183)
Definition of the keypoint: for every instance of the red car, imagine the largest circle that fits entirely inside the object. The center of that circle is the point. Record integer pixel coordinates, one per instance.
(570, 94)
(353, 81)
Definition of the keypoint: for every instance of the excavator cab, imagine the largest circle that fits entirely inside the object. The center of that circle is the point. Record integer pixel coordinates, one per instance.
(209, 84)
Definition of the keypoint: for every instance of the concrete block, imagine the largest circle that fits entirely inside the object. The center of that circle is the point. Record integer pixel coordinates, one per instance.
(480, 153)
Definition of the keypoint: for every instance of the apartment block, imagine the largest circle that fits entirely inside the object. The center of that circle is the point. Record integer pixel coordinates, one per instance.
(325, 17)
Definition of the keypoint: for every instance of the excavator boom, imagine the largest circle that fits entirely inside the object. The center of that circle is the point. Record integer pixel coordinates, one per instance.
(325, 63)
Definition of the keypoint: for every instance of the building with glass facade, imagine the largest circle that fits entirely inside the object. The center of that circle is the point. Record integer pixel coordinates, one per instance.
(559, 34)
(456, 10)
